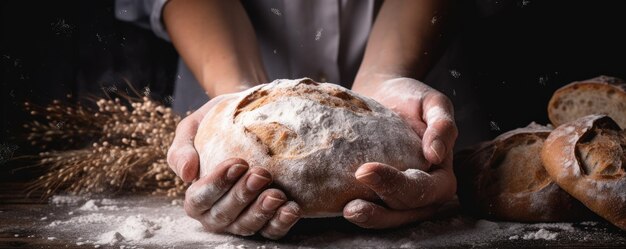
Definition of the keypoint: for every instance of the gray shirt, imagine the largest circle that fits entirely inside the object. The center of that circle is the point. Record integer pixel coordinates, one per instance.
(323, 40)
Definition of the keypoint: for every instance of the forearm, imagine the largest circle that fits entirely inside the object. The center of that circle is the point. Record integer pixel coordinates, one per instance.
(216, 40)
(403, 42)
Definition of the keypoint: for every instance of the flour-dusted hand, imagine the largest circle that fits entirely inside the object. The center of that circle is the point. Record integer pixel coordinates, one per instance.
(182, 157)
(429, 112)
(234, 197)
(409, 195)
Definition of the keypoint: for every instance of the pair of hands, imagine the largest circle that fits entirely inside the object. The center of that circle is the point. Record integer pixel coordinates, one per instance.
(235, 198)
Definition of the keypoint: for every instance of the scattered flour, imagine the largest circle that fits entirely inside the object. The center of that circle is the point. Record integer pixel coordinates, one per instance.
(456, 74)
(540, 234)
(146, 222)
(589, 223)
(66, 200)
(134, 228)
(131, 224)
(276, 11)
(110, 238)
(90, 205)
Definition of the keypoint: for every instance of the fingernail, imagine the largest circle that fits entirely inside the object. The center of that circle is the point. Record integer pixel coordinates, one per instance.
(256, 182)
(359, 217)
(178, 167)
(287, 217)
(184, 172)
(370, 178)
(235, 171)
(271, 203)
(438, 148)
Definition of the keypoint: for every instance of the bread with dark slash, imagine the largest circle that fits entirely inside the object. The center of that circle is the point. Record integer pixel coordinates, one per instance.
(505, 179)
(311, 137)
(587, 158)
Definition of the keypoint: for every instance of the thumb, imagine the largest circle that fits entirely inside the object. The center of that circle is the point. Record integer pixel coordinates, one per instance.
(182, 156)
(441, 131)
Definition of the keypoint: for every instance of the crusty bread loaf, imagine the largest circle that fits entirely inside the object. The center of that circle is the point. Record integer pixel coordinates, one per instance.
(311, 136)
(601, 95)
(587, 159)
(505, 179)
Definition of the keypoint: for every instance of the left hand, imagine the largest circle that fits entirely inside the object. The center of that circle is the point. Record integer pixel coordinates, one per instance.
(414, 195)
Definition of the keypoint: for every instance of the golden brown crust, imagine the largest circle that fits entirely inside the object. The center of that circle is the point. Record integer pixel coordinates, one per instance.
(587, 159)
(275, 137)
(330, 97)
(505, 179)
(580, 96)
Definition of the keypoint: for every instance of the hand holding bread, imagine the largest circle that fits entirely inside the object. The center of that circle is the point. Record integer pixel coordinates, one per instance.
(328, 149)
(311, 137)
(414, 195)
(218, 199)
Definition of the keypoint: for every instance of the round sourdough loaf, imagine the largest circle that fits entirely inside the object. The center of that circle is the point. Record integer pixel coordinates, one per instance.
(601, 95)
(505, 179)
(587, 158)
(311, 137)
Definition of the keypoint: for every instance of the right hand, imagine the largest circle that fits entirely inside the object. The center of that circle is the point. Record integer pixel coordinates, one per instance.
(232, 198)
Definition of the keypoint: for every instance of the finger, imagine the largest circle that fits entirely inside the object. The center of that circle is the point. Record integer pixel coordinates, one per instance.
(407, 189)
(286, 216)
(369, 215)
(226, 210)
(182, 156)
(202, 194)
(441, 131)
(417, 125)
(257, 215)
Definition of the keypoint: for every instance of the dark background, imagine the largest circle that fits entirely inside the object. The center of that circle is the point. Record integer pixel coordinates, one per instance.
(512, 54)
(53, 48)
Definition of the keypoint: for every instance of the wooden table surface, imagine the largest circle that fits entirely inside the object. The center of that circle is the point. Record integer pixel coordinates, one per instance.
(22, 226)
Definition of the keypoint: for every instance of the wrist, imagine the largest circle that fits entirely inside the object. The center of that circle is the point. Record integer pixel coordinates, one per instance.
(228, 86)
(368, 84)
(230, 80)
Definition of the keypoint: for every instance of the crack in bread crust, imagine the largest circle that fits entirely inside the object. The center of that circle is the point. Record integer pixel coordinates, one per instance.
(310, 90)
(275, 137)
(601, 153)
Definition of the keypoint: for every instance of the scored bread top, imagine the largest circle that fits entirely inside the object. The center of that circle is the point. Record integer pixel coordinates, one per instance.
(601, 95)
(505, 179)
(311, 136)
(587, 159)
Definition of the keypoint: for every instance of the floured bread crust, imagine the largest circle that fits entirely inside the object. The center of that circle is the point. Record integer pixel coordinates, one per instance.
(505, 179)
(587, 158)
(311, 136)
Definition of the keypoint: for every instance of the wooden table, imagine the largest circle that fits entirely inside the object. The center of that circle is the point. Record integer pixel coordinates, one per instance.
(22, 225)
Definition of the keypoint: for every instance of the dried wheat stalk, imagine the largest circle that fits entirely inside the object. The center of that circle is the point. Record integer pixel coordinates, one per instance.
(114, 148)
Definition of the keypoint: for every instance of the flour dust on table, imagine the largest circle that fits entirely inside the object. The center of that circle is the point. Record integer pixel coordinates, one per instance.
(160, 222)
